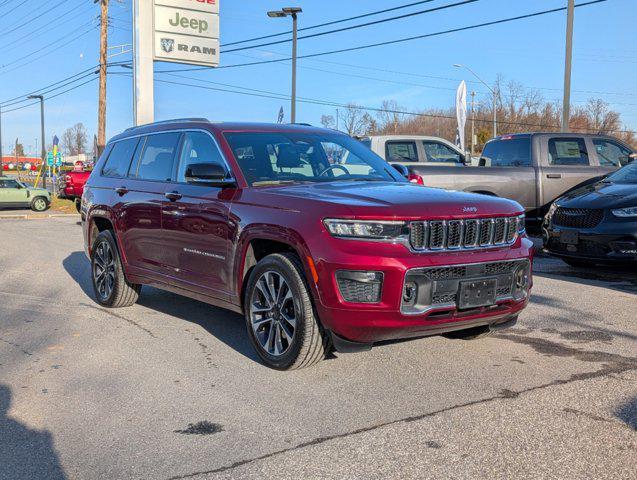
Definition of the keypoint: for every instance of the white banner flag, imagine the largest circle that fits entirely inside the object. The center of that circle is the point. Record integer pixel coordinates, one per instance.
(461, 113)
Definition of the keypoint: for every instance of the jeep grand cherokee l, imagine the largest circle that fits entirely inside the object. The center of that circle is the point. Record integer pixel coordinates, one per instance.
(269, 221)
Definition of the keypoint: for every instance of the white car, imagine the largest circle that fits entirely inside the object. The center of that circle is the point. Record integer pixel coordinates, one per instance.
(418, 149)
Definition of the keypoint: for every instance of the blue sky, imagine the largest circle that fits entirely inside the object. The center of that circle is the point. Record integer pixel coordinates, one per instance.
(528, 51)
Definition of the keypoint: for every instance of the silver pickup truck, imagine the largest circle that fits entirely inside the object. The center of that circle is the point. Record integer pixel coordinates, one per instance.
(532, 168)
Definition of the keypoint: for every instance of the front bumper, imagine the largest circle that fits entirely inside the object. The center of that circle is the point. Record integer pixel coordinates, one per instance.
(389, 319)
(610, 242)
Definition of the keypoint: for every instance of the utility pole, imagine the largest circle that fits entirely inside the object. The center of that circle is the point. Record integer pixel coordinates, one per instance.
(101, 109)
(1, 163)
(42, 167)
(566, 103)
(473, 121)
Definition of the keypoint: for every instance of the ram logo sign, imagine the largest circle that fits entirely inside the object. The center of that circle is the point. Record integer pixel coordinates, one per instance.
(186, 31)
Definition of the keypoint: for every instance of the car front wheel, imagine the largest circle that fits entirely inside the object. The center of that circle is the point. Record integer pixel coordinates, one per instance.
(109, 282)
(39, 204)
(279, 314)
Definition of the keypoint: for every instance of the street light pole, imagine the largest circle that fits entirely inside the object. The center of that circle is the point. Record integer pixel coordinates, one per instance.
(495, 97)
(566, 102)
(290, 12)
(43, 152)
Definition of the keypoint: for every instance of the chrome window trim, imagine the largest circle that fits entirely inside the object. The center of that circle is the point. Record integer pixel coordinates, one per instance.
(178, 130)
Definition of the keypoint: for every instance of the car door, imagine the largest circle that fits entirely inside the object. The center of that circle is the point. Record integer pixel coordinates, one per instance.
(611, 155)
(142, 195)
(567, 164)
(13, 193)
(195, 227)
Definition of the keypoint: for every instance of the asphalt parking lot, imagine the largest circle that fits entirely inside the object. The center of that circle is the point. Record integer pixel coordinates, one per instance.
(171, 389)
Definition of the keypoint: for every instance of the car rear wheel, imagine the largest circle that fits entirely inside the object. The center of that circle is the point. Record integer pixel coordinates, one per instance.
(280, 316)
(39, 204)
(109, 282)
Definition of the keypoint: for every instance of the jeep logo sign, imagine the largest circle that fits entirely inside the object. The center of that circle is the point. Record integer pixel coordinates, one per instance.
(187, 31)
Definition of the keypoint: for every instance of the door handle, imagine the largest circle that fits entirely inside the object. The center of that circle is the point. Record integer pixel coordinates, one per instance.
(553, 175)
(173, 196)
(121, 191)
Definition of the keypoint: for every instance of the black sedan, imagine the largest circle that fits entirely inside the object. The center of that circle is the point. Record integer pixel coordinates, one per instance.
(596, 223)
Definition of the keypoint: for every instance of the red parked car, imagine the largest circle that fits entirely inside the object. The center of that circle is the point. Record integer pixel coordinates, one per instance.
(314, 238)
(71, 186)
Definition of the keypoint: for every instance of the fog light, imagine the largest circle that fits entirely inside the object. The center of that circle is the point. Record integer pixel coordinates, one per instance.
(521, 281)
(360, 286)
(409, 293)
(625, 248)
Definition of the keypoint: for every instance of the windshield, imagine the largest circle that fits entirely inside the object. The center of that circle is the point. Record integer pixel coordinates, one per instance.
(267, 158)
(627, 174)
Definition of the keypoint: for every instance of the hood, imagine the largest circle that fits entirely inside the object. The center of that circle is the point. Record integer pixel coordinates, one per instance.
(601, 195)
(393, 200)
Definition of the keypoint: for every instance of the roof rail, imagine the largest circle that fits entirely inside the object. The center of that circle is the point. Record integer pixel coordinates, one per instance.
(173, 120)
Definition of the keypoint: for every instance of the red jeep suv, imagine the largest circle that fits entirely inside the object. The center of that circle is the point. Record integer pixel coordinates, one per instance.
(315, 239)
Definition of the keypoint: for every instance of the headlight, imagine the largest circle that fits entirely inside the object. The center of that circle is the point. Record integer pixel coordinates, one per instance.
(364, 229)
(521, 224)
(625, 212)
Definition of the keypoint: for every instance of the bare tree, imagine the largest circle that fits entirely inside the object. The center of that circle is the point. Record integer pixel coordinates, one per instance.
(74, 139)
(357, 122)
(328, 121)
(390, 117)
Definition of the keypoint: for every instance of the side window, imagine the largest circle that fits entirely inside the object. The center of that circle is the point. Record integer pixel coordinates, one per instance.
(507, 152)
(119, 160)
(156, 162)
(568, 151)
(198, 147)
(439, 152)
(401, 152)
(611, 154)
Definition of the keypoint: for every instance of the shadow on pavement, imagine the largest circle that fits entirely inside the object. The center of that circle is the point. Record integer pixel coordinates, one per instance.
(227, 326)
(619, 279)
(627, 413)
(25, 454)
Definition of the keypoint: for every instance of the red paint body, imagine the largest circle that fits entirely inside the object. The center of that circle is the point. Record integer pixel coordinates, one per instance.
(72, 185)
(156, 238)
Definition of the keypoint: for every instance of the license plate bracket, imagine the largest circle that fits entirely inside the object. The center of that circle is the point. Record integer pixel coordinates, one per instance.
(477, 293)
(569, 237)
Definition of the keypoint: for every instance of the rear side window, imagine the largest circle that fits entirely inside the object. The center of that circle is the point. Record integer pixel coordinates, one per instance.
(515, 152)
(401, 152)
(156, 162)
(568, 151)
(119, 160)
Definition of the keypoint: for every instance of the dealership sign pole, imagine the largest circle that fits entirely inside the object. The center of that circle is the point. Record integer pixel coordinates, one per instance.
(179, 31)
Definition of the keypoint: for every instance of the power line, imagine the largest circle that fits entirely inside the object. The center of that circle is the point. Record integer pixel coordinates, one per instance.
(353, 27)
(333, 22)
(280, 96)
(51, 97)
(32, 19)
(390, 42)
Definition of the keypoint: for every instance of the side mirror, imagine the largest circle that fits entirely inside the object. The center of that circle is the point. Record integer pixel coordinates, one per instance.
(632, 157)
(212, 174)
(403, 170)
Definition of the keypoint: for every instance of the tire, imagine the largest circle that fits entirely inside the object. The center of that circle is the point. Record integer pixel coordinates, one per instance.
(470, 333)
(113, 291)
(39, 204)
(269, 329)
(573, 262)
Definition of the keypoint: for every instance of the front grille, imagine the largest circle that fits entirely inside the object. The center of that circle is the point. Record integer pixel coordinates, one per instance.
(578, 217)
(438, 235)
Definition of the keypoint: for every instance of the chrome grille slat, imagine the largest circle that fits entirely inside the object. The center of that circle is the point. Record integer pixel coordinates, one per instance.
(470, 233)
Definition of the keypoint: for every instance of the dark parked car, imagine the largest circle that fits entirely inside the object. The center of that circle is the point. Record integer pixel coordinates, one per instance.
(258, 218)
(596, 223)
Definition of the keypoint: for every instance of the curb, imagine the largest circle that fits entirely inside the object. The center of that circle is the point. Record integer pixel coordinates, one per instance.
(26, 216)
